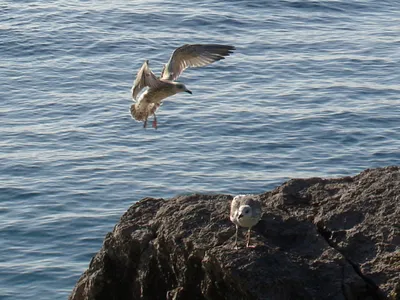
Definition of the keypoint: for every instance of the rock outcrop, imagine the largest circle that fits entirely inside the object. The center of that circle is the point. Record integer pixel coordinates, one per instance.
(318, 239)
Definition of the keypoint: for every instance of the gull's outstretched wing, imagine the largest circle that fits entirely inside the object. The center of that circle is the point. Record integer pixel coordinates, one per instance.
(196, 55)
(144, 77)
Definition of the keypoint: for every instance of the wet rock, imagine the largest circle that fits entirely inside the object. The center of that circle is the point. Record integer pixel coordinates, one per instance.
(318, 239)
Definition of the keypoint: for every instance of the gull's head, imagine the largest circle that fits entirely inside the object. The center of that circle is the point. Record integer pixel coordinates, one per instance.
(244, 212)
(180, 87)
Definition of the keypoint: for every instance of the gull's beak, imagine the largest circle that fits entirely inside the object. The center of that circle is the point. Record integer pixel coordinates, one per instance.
(189, 91)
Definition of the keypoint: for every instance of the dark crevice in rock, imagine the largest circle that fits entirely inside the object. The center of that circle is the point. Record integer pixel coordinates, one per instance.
(344, 287)
(152, 238)
(193, 276)
(372, 288)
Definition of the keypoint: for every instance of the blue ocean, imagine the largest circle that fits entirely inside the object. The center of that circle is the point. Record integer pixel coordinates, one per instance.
(312, 90)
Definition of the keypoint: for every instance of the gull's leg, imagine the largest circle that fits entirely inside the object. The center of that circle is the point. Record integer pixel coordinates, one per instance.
(248, 239)
(155, 122)
(236, 235)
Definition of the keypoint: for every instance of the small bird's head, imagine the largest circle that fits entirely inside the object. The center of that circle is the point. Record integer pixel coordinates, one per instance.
(244, 211)
(180, 87)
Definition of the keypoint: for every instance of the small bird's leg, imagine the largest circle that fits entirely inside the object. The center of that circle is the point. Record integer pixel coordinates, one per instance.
(155, 122)
(248, 238)
(145, 123)
(236, 235)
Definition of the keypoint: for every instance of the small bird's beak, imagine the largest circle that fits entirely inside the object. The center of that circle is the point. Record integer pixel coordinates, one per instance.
(189, 91)
(240, 216)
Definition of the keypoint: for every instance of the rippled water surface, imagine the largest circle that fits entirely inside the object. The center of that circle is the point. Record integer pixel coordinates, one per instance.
(312, 90)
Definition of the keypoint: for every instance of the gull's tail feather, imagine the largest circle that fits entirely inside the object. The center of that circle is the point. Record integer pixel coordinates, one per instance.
(133, 112)
(141, 111)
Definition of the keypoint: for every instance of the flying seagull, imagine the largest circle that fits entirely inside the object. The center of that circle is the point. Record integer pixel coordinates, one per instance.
(159, 88)
(245, 212)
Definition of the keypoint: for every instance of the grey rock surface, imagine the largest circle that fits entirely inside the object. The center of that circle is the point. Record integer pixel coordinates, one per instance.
(317, 239)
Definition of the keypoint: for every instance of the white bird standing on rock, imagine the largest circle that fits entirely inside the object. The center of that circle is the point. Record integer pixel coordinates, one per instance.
(245, 212)
(159, 88)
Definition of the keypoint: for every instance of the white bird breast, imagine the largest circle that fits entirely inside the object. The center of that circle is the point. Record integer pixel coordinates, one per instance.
(246, 220)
